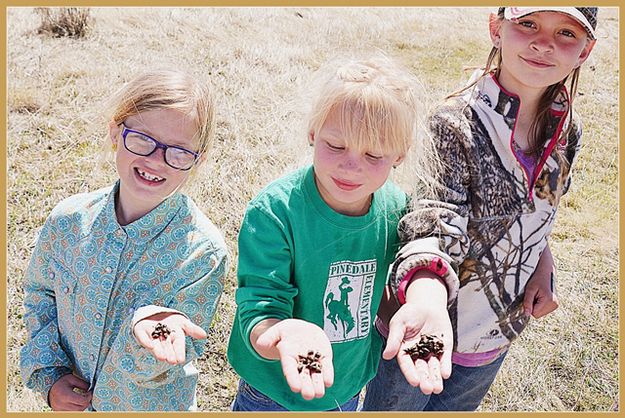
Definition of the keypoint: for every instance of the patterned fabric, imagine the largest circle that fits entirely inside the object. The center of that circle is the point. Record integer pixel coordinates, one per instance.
(590, 13)
(86, 278)
(492, 220)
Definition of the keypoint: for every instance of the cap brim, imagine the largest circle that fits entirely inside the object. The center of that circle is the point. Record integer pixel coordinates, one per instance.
(518, 12)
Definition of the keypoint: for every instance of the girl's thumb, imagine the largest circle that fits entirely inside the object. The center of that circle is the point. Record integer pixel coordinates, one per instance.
(395, 337)
(78, 382)
(268, 338)
(193, 330)
(528, 300)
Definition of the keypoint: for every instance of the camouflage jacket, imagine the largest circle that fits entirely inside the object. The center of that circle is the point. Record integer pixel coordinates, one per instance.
(490, 224)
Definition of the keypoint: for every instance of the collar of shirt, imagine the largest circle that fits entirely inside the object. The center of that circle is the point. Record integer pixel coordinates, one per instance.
(506, 103)
(143, 229)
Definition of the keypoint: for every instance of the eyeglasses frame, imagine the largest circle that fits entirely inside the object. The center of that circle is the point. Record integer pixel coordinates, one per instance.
(126, 130)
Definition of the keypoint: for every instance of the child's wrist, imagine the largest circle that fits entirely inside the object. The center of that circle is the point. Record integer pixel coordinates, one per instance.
(268, 353)
(427, 289)
(435, 270)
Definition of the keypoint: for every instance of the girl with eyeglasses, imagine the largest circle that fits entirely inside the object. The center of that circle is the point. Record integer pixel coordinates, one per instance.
(124, 281)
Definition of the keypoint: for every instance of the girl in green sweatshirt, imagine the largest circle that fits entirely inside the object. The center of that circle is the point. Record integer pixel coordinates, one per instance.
(315, 247)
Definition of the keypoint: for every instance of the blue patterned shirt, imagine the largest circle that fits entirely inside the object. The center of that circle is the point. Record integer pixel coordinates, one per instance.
(87, 277)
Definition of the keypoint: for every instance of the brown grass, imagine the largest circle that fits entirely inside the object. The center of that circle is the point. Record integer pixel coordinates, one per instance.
(259, 61)
(73, 22)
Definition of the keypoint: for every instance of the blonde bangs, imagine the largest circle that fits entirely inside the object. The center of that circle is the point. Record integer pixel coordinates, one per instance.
(377, 126)
(375, 103)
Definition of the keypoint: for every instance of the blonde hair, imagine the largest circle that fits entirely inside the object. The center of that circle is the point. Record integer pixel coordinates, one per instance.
(375, 100)
(168, 89)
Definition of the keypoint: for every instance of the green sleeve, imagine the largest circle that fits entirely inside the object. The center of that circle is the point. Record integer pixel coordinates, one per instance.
(265, 289)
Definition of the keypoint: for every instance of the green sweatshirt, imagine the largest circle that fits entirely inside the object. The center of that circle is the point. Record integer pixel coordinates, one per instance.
(298, 258)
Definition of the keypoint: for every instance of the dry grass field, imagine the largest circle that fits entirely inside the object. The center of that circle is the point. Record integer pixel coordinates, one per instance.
(259, 61)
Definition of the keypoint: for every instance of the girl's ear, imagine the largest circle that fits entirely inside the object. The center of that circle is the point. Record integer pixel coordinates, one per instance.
(194, 170)
(586, 52)
(311, 138)
(202, 159)
(398, 161)
(494, 25)
(113, 132)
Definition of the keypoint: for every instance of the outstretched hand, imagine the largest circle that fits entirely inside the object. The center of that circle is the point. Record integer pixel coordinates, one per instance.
(167, 348)
(405, 329)
(426, 314)
(294, 338)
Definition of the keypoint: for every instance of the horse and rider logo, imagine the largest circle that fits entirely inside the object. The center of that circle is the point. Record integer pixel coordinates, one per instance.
(347, 301)
(339, 309)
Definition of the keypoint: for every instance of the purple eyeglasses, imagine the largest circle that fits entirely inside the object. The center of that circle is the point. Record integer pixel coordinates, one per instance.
(143, 144)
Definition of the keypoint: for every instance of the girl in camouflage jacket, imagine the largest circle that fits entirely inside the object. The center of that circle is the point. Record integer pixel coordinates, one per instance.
(475, 262)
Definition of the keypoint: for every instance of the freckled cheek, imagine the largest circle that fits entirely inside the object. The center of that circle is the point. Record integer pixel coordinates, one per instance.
(122, 161)
(179, 178)
(379, 172)
(327, 158)
(572, 52)
(511, 39)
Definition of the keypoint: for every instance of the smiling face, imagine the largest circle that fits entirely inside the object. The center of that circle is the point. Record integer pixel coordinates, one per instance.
(538, 50)
(147, 181)
(347, 177)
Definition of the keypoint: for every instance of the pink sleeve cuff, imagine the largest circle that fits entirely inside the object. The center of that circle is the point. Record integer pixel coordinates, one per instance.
(436, 266)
